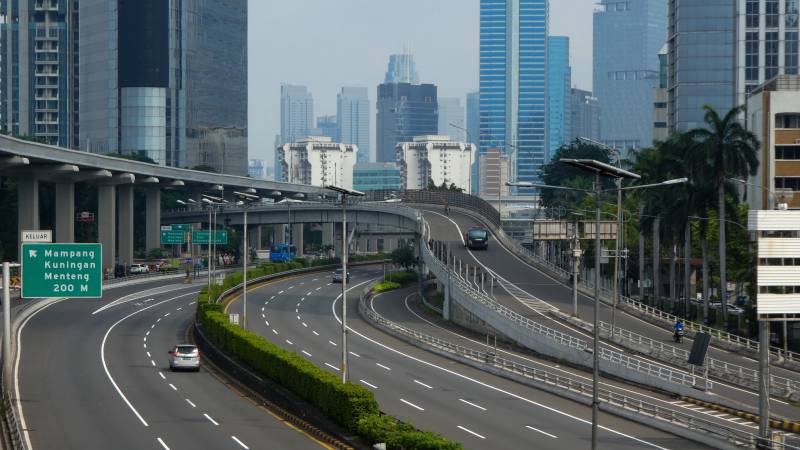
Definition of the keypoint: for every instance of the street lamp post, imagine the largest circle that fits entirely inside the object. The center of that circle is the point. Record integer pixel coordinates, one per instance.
(245, 201)
(344, 192)
(598, 169)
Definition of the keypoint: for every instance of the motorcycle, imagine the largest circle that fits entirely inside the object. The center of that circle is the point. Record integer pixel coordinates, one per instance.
(678, 336)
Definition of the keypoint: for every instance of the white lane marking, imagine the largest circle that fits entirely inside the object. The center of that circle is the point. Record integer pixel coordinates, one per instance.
(148, 355)
(149, 300)
(263, 316)
(315, 279)
(159, 319)
(411, 404)
(153, 363)
(179, 308)
(210, 419)
(266, 322)
(315, 333)
(318, 288)
(480, 383)
(162, 375)
(540, 431)
(332, 343)
(423, 384)
(333, 367)
(306, 353)
(163, 445)
(281, 292)
(192, 303)
(297, 305)
(289, 287)
(369, 384)
(289, 342)
(298, 317)
(273, 330)
(190, 403)
(167, 314)
(309, 293)
(472, 404)
(382, 366)
(355, 354)
(137, 296)
(272, 297)
(296, 310)
(152, 326)
(173, 387)
(144, 345)
(103, 354)
(471, 432)
(328, 284)
(304, 324)
(147, 334)
(240, 443)
(301, 283)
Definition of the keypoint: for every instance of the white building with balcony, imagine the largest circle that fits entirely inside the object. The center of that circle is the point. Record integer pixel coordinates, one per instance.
(436, 159)
(318, 161)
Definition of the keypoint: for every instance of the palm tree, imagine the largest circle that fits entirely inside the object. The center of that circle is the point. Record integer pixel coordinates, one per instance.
(724, 149)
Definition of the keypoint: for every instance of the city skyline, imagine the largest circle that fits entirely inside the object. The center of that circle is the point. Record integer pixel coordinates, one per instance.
(449, 61)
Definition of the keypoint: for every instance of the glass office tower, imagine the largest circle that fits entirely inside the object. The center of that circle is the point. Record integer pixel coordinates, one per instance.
(513, 82)
(352, 116)
(404, 111)
(627, 38)
(558, 92)
(166, 80)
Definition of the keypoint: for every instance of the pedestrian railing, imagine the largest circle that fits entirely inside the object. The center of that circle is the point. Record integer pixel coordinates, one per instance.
(614, 402)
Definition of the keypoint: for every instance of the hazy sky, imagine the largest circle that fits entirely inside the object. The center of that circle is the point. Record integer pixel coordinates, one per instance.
(327, 44)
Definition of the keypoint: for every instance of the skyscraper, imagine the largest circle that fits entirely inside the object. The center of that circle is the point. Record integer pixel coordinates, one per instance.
(627, 38)
(327, 126)
(297, 113)
(352, 115)
(702, 60)
(473, 117)
(151, 83)
(451, 119)
(401, 69)
(584, 115)
(558, 86)
(513, 82)
(39, 75)
(404, 112)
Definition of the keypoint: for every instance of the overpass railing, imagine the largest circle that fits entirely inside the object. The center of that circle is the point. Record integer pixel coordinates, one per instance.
(619, 404)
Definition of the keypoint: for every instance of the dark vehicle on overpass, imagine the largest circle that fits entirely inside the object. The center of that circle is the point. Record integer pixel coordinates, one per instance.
(477, 238)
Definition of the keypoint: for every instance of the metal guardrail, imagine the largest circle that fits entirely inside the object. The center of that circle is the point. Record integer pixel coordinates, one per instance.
(14, 430)
(781, 386)
(612, 356)
(539, 376)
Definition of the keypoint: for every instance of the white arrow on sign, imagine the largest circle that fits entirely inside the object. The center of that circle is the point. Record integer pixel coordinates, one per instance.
(32, 253)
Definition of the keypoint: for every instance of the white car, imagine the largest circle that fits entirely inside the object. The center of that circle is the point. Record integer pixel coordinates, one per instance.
(184, 356)
(139, 268)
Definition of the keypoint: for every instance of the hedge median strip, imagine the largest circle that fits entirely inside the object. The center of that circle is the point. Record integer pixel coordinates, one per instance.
(352, 406)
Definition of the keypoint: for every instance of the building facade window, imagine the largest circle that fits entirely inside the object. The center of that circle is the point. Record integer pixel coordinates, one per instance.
(779, 289)
(770, 54)
(771, 17)
(751, 56)
(787, 152)
(751, 14)
(791, 51)
(791, 8)
(792, 183)
(779, 261)
(787, 121)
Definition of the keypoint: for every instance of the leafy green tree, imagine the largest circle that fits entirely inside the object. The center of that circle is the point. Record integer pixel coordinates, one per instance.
(556, 173)
(724, 150)
(404, 257)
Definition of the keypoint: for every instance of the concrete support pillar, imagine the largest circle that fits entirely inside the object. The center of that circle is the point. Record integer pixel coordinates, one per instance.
(259, 241)
(446, 303)
(297, 235)
(107, 223)
(65, 212)
(280, 234)
(152, 218)
(328, 234)
(27, 203)
(125, 224)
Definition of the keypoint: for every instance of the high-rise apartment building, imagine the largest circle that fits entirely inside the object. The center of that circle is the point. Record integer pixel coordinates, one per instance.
(473, 117)
(768, 42)
(451, 118)
(584, 110)
(402, 69)
(702, 60)
(513, 82)
(627, 38)
(39, 54)
(317, 161)
(352, 116)
(437, 160)
(404, 112)
(297, 113)
(255, 169)
(558, 85)
(151, 81)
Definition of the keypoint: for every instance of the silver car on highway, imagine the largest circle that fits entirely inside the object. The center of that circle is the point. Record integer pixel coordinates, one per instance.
(184, 356)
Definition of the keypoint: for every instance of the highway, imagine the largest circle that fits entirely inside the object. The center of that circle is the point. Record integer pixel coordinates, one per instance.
(543, 287)
(468, 405)
(101, 381)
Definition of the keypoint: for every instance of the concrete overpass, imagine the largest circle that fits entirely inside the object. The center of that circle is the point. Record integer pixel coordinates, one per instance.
(31, 163)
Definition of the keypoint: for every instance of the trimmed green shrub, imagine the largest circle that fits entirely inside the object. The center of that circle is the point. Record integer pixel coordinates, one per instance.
(399, 435)
(402, 277)
(385, 286)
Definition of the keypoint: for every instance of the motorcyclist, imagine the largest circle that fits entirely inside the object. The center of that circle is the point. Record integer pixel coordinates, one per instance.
(678, 329)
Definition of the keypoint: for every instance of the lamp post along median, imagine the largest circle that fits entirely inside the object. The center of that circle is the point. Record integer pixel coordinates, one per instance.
(245, 201)
(598, 169)
(344, 192)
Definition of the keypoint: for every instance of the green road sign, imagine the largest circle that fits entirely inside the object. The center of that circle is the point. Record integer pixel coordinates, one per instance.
(173, 237)
(62, 270)
(201, 237)
(181, 226)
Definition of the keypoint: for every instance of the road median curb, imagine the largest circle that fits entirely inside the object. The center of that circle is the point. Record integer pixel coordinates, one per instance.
(778, 424)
